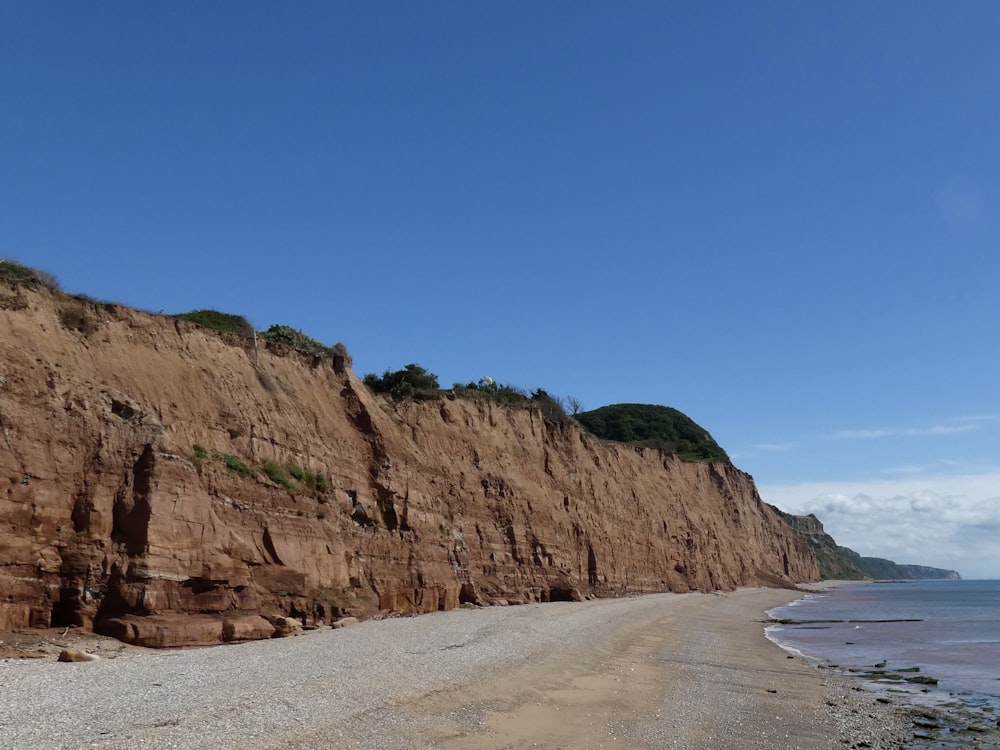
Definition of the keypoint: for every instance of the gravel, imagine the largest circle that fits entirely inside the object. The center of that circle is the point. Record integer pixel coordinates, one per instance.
(363, 686)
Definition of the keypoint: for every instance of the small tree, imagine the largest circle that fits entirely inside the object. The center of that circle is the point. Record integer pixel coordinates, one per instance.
(412, 382)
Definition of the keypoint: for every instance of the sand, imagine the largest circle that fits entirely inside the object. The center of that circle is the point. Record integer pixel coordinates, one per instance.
(661, 671)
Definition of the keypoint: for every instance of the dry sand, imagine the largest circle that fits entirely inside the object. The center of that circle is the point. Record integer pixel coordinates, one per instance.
(663, 671)
(695, 672)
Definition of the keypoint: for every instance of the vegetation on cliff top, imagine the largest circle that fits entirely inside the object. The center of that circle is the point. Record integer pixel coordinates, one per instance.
(279, 334)
(652, 425)
(292, 337)
(414, 382)
(16, 273)
(637, 424)
(552, 407)
(219, 321)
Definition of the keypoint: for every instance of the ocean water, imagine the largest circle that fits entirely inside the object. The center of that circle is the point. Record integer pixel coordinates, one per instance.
(929, 644)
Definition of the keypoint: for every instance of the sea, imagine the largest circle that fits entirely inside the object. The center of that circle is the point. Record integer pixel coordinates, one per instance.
(933, 646)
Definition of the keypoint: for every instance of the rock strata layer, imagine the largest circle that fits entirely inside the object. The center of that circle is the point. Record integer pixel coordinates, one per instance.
(171, 485)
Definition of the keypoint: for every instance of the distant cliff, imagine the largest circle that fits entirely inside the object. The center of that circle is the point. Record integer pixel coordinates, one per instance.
(170, 484)
(842, 563)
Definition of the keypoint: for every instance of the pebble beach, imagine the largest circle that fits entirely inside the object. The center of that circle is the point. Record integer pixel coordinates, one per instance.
(659, 671)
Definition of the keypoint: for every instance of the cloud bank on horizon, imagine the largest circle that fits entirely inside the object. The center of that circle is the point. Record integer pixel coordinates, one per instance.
(923, 492)
(944, 521)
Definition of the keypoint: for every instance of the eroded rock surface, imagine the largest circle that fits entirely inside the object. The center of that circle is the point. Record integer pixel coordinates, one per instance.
(164, 483)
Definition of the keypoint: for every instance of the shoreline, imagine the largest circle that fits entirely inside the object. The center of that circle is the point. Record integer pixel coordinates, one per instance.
(657, 671)
(943, 712)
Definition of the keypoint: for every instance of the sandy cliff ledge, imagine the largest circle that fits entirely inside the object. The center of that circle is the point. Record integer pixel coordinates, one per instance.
(110, 517)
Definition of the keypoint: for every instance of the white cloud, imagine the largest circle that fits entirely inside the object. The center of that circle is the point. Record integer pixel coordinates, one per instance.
(774, 447)
(944, 521)
(940, 429)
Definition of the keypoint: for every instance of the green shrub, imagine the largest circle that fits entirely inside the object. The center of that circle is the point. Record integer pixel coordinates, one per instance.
(16, 273)
(321, 484)
(291, 337)
(489, 389)
(412, 382)
(219, 321)
(198, 457)
(302, 475)
(552, 408)
(234, 465)
(276, 474)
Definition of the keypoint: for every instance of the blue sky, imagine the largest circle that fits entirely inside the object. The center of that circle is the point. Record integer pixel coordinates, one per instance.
(778, 217)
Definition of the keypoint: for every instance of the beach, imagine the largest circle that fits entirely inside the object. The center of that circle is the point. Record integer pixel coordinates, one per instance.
(657, 671)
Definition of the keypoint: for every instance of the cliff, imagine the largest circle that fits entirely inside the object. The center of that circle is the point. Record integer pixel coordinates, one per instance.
(842, 563)
(168, 484)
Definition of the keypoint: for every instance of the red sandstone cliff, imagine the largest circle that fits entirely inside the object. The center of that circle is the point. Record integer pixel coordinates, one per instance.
(109, 518)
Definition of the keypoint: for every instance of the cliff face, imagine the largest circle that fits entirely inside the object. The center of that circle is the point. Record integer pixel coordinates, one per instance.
(842, 563)
(161, 485)
(833, 564)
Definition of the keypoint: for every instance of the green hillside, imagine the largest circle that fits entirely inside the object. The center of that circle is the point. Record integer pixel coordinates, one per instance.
(842, 563)
(652, 425)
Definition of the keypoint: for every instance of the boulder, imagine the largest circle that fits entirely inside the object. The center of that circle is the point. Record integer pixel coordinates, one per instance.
(165, 631)
(75, 655)
(248, 628)
(284, 626)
